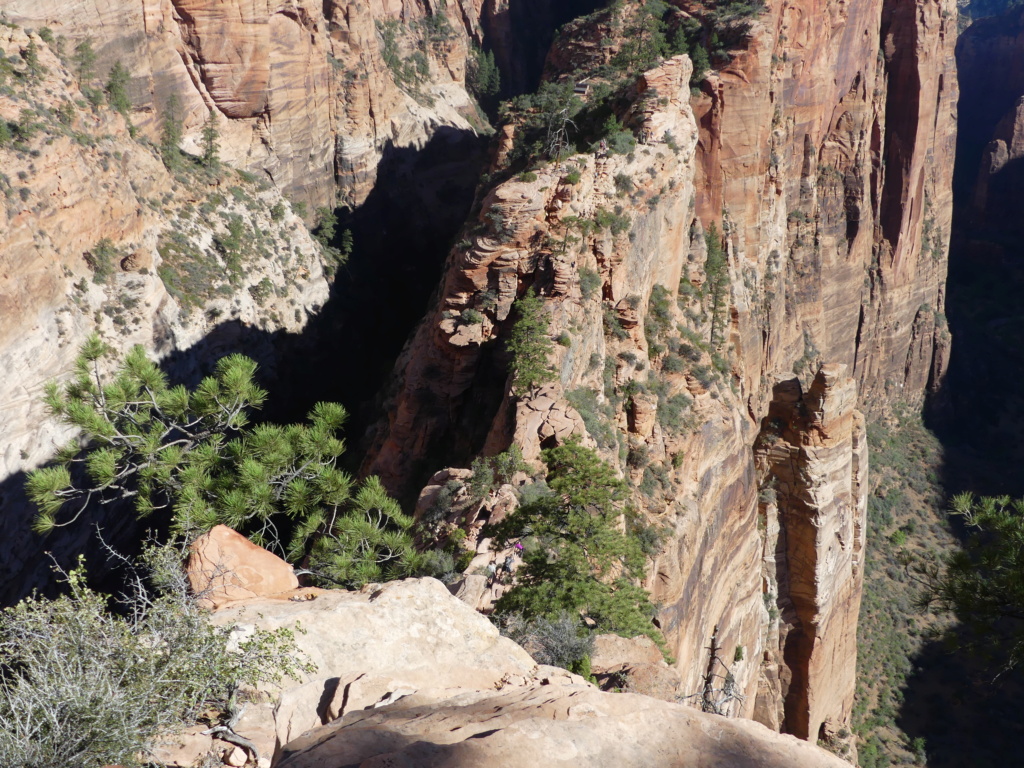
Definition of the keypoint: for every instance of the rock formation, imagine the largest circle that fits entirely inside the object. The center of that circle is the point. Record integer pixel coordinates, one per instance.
(224, 566)
(305, 93)
(826, 168)
(404, 671)
(567, 725)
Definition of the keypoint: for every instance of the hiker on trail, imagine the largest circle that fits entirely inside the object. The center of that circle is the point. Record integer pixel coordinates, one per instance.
(492, 571)
(519, 548)
(507, 566)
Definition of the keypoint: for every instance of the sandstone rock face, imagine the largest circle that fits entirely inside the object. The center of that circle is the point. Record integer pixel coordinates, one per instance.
(304, 92)
(813, 450)
(826, 168)
(96, 235)
(412, 632)
(225, 566)
(548, 725)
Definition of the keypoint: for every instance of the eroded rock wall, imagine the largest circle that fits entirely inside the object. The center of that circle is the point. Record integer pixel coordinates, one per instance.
(823, 155)
(308, 90)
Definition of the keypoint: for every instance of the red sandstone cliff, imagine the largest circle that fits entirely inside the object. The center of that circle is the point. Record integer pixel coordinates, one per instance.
(824, 154)
(308, 95)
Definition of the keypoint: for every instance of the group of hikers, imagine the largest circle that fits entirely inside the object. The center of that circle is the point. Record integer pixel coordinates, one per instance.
(503, 574)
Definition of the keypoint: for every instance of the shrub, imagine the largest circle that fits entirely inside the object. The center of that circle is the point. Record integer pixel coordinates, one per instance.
(472, 317)
(623, 183)
(560, 641)
(581, 564)
(528, 176)
(590, 283)
(529, 345)
(102, 259)
(572, 177)
(82, 686)
(116, 88)
(564, 339)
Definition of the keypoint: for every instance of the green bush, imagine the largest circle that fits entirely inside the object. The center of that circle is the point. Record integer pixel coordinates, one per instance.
(559, 641)
(577, 560)
(590, 283)
(82, 686)
(103, 260)
(529, 345)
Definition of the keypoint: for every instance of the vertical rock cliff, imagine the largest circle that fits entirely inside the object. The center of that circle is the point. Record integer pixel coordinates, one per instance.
(822, 153)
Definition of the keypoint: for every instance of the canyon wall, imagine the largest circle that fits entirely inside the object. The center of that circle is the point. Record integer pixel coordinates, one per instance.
(823, 155)
(308, 94)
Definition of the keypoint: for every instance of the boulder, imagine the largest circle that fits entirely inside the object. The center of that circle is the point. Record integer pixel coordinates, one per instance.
(224, 566)
(549, 725)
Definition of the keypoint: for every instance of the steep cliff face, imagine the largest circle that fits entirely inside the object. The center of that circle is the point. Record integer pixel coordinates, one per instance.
(96, 235)
(985, 269)
(312, 92)
(823, 154)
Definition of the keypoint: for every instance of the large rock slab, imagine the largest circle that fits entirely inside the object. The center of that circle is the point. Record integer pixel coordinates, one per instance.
(413, 632)
(546, 725)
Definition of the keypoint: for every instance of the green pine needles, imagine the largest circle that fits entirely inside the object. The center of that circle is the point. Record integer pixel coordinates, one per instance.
(529, 343)
(195, 455)
(576, 559)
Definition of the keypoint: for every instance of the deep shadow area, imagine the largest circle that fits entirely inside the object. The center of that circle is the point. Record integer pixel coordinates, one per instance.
(961, 704)
(402, 235)
(520, 35)
(963, 708)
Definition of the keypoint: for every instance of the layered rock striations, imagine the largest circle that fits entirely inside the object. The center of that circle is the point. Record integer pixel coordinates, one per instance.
(309, 94)
(823, 155)
(97, 235)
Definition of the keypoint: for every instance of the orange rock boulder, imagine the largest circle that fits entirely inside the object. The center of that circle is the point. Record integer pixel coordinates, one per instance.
(224, 566)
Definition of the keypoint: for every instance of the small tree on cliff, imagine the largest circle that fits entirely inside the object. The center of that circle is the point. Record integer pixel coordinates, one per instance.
(716, 270)
(195, 455)
(529, 343)
(211, 156)
(577, 559)
(983, 583)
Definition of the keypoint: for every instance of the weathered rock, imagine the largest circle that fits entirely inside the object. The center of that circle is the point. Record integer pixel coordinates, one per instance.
(301, 91)
(814, 452)
(827, 258)
(614, 650)
(411, 631)
(553, 726)
(224, 566)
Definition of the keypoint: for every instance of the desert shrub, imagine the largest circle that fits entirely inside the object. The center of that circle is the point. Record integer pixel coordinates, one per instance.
(559, 641)
(590, 283)
(82, 686)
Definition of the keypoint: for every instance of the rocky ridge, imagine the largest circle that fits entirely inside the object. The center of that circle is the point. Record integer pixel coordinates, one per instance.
(833, 256)
(405, 672)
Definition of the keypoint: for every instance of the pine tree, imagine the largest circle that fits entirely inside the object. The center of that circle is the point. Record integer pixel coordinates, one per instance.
(211, 156)
(195, 455)
(529, 343)
(117, 88)
(85, 60)
(577, 559)
(170, 132)
(716, 271)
